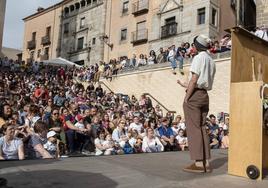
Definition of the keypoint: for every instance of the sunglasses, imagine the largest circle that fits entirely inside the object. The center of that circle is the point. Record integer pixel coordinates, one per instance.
(55, 113)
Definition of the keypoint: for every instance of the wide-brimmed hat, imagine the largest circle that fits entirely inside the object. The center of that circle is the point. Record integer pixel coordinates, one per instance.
(202, 42)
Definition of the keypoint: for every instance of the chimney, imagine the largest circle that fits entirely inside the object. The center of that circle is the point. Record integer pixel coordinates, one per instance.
(39, 9)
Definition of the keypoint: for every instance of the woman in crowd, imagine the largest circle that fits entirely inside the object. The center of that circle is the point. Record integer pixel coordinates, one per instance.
(151, 143)
(119, 134)
(152, 58)
(141, 61)
(36, 149)
(11, 147)
(5, 113)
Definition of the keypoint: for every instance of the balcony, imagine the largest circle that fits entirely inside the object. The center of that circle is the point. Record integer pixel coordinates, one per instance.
(140, 7)
(31, 45)
(44, 57)
(139, 36)
(169, 30)
(45, 40)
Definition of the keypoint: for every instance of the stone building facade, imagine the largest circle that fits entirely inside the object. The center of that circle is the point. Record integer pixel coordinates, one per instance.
(262, 12)
(41, 34)
(138, 26)
(2, 20)
(82, 31)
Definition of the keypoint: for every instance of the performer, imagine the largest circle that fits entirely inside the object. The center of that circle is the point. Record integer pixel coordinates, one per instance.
(196, 105)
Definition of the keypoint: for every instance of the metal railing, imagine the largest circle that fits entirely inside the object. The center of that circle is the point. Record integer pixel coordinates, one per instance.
(140, 7)
(169, 30)
(46, 40)
(160, 104)
(139, 36)
(31, 44)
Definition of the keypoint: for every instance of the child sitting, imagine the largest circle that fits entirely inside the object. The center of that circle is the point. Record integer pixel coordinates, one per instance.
(109, 145)
(51, 145)
(182, 140)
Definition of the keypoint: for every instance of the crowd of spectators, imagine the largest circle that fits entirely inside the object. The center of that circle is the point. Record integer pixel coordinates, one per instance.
(45, 113)
(174, 55)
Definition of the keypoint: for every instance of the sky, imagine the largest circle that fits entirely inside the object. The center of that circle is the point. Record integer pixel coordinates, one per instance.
(16, 10)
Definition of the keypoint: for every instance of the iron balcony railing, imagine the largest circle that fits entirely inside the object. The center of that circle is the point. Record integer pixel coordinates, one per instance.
(46, 40)
(31, 45)
(140, 36)
(140, 7)
(169, 30)
(44, 57)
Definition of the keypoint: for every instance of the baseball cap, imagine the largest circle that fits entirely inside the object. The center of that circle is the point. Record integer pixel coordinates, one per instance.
(51, 134)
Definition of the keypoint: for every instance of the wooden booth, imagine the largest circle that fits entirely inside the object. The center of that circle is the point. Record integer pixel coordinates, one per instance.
(248, 149)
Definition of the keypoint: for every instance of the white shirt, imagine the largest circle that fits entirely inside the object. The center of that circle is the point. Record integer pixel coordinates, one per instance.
(181, 139)
(51, 148)
(204, 66)
(136, 127)
(262, 34)
(98, 141)
(171, 53)
(151, 145)
(79, 125)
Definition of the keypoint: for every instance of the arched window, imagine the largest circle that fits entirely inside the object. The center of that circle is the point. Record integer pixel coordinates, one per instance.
(88, 2)
(77, 6)
(83, 3)
(72, 8)
(66, 10)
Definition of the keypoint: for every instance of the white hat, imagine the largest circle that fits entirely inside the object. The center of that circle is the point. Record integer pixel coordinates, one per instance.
(51, 134)
(35, 119)
(202, 42)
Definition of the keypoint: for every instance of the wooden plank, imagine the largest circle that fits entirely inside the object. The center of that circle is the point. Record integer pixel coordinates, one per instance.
(245, 128)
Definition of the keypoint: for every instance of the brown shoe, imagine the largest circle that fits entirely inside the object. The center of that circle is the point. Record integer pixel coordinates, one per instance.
(195, 169)
(208, 169)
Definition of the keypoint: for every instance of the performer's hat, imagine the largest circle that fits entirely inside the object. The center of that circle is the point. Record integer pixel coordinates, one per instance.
(202, 42)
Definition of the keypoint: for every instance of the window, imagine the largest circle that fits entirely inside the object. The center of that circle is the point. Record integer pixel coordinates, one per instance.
(201, 16)
(141, 30)
(214, 17)
(170, 21)
(66, 28)
(46, 51)
(32, 55)
(93, 41)
(48, 31)
(123, 34)
(83, 3)
(38, 53)
(82, 22)
(33, 36)
(125, 7)
(77, 6)
(72, 8)
(66, 10)
(80, 43)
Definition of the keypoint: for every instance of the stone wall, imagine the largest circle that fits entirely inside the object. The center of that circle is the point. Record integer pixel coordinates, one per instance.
(262, 12)
(92, 52)
(162, 85)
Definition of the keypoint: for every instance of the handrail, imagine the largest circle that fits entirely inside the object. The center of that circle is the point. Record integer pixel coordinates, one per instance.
(170, 111)
(102, 83)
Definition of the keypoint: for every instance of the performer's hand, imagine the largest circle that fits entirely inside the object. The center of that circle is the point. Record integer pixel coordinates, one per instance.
(182, 84)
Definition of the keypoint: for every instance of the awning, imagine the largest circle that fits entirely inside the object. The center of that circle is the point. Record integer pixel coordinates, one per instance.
(60, 62)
